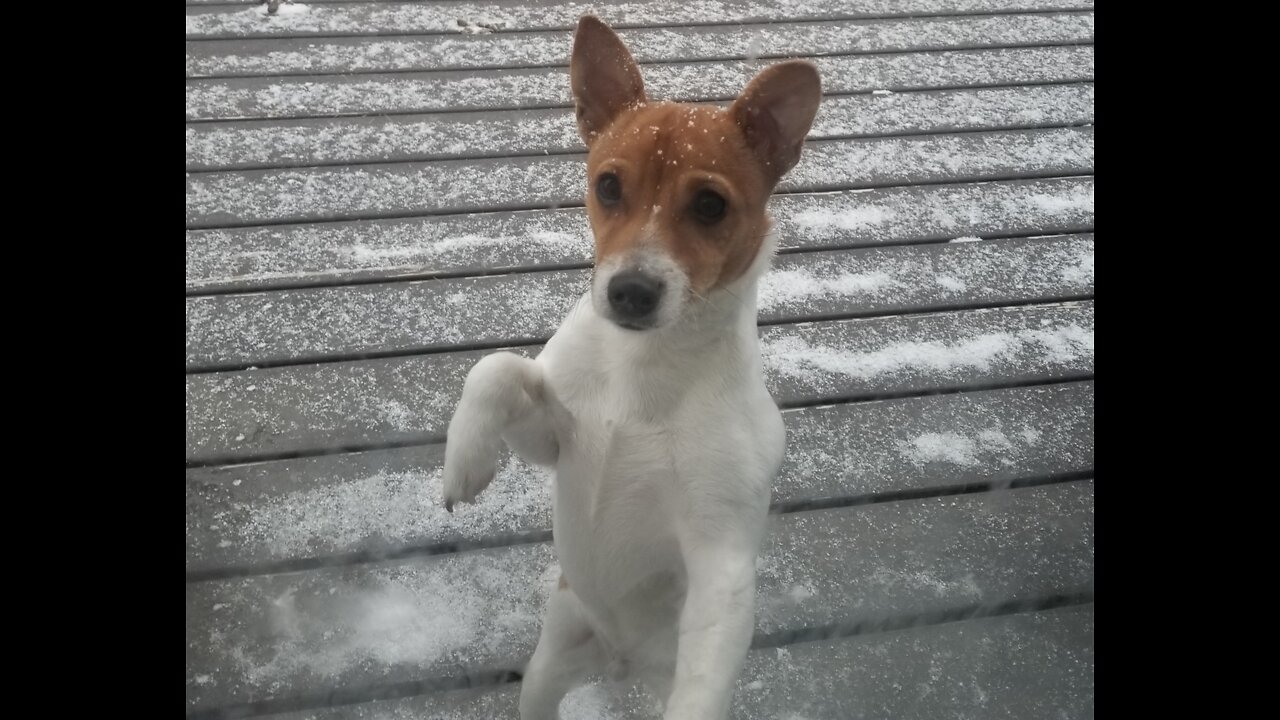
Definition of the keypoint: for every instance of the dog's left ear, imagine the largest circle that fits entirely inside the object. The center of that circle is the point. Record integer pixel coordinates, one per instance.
(775, 112)
(605, 78)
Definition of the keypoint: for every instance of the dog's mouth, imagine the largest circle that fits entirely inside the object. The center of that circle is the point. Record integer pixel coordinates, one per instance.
(634, 327)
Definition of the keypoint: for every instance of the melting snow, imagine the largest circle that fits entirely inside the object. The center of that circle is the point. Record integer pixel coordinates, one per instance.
(966, 450)
(285, 10)
(853, 218)
(394, 508)
(794, 356)
(790, 285)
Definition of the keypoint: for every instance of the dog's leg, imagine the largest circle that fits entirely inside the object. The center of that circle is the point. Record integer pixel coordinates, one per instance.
(504, 398)
(567, 652)
(716, 624)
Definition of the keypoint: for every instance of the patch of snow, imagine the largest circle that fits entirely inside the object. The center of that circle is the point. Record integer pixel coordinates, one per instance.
(394, 508)
(403, 615)
(1081, 273)
(1060, 205)
(285, 10)
(479, 25)
(941, 157)
(854, 218)
(800, 593)
(994, 440)
(586, 702)
(944, 447)
(783, 286)
(794, 356)
(968, 450)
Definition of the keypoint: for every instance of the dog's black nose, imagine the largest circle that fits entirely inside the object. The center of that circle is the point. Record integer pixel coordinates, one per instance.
(634, 295)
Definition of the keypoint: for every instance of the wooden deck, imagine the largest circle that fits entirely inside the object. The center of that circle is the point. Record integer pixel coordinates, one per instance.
(378, 195)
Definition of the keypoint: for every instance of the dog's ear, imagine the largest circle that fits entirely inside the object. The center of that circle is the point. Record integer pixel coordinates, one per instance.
(775, 112)
(605, 78)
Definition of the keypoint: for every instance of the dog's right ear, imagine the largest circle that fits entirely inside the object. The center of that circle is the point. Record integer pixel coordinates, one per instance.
(605, 78)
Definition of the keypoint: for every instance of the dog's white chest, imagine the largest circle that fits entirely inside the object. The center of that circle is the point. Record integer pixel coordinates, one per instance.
(629, 466)
(614, 489)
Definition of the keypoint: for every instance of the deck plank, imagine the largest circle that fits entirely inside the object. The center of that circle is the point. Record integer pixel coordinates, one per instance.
(278, 256)
(320, 324)
(380, 623)
(378, 18)
(247, 58)
(236, 145)
(272, 412)
(453, 186)
(376, 503)
(1027, 666)
(471, 90)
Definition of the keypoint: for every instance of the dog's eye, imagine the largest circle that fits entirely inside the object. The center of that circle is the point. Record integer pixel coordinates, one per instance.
(609, 189)
(708, 207)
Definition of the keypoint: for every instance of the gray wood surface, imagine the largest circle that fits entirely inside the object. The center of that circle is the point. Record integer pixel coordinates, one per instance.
(496, 242)
(275, 56)
(238, 145)
(454, 186)
(342, 322)
(381, 502)
(377, 18)
(270, 412)
(1029, 665)
(378, 623)
(468, 90)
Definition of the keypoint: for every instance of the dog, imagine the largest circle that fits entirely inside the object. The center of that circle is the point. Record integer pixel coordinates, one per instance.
(649, 401)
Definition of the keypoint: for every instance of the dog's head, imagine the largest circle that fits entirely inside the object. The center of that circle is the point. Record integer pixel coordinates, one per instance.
(676, 192)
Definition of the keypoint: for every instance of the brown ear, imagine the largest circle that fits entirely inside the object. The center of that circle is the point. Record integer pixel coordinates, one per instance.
(605, 78)
(775, 112)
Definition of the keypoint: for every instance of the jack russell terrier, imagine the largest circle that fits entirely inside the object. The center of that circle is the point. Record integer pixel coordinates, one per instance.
(649, 402)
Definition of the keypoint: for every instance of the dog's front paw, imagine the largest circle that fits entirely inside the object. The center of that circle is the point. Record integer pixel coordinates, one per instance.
(470, 462)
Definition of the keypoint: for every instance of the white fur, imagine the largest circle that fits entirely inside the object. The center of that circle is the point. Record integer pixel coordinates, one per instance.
(665, 444)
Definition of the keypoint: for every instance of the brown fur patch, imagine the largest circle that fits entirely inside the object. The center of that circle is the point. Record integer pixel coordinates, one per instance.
(664, 154)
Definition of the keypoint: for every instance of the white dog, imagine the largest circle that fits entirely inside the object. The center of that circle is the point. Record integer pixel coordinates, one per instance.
(650, 400)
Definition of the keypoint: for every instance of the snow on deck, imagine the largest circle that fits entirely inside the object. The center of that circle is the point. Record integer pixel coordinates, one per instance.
(381, 193)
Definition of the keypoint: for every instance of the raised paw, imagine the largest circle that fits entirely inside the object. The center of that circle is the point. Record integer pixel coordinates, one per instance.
(470, 462)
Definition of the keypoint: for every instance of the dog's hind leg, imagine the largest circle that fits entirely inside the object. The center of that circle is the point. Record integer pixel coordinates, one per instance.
(503, 399)
(716, 626)
(567, 652)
